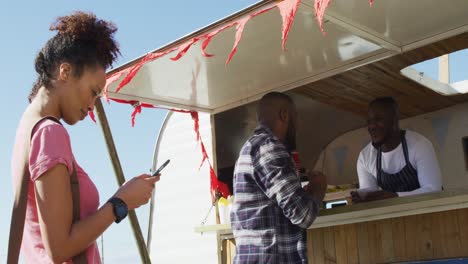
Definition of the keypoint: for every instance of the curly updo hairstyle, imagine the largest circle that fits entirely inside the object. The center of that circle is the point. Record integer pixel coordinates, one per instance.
(81, 40)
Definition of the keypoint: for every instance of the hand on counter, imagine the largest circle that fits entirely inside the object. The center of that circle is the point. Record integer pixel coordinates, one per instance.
(359, 197)
(317, 185)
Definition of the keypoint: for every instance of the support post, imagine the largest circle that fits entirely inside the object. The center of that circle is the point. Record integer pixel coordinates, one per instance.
(444, 69)
(121, 179)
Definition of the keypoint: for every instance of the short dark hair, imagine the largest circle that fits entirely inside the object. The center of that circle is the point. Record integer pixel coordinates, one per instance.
(276, 96)
(81, 40)
(387, 102)
(269, 102)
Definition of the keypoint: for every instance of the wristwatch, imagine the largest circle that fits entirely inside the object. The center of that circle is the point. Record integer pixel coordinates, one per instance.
(120, 208)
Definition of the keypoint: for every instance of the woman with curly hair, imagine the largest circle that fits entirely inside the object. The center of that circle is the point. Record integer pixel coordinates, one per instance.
(71, 75)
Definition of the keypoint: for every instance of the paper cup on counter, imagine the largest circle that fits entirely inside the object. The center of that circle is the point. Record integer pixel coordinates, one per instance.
(224, 206)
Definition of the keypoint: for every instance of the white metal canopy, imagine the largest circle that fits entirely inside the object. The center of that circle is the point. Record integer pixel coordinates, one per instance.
(356, 34)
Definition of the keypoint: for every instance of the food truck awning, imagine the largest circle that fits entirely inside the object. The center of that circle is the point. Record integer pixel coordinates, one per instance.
(356, 34)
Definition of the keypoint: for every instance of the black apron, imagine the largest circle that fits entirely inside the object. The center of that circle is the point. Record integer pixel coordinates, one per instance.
(405, 180)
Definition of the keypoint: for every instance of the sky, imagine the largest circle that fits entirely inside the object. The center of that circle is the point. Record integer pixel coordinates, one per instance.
(458, 70)
(142, 27)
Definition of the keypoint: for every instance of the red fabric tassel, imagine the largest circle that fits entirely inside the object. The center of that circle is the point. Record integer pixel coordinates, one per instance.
(215, 185)
(320, 7)
(205, 45)
(91, 115)
(184, 48)
(240, 25)
(196, 125)
(111, 79)
(133, 71)
(136, 68)
(210, 35)
(136, 110)
(288, 9)
(204, 154)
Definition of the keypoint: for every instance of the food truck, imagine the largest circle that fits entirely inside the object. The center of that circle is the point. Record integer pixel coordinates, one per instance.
(332, 58)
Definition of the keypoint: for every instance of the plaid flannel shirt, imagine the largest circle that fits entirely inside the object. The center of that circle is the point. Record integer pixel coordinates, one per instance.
(271, 210)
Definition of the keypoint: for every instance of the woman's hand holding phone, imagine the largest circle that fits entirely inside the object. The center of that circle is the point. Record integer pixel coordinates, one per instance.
(137, 191)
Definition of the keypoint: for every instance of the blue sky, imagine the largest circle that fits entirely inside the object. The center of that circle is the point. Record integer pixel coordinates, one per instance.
(458, 66)
(143, 26)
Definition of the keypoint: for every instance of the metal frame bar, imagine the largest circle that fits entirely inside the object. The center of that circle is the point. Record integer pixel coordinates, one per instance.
(435, 38)
(360, 30)
(124, 96)
(155, 162)
(121, 180)
(424, 80)
(363, 32)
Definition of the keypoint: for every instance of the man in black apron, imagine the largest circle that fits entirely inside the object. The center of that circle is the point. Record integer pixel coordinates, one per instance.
(396, 162)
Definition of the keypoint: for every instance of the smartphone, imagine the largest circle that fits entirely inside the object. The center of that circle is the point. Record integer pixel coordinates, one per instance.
(156, 172)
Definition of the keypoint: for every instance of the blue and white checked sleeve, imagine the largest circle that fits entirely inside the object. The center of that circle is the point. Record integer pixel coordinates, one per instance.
(279, 181)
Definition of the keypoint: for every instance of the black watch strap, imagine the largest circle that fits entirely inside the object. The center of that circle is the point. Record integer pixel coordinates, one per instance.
(119, 207)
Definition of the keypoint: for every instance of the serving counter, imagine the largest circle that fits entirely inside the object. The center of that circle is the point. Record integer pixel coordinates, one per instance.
(422, 227)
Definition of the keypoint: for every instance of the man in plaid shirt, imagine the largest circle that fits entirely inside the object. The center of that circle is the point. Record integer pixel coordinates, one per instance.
(271, 210)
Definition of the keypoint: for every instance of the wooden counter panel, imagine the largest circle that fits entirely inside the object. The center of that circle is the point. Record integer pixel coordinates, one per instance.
(229, 250)
(428, 236)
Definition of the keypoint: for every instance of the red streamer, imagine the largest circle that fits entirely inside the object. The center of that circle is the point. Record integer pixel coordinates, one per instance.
(136, 110)
(91, 115)
(136, 68)
(196, 125)
(240, 25)
(288, 9)
(320, 7)
(132, 72)
(204, 155)
(215, 184)
(205, 45)
(184, 48)
(111, 79)
(210, 35)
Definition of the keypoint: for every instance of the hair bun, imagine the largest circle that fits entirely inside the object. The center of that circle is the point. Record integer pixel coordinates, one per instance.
(82, 26)
(86, 29)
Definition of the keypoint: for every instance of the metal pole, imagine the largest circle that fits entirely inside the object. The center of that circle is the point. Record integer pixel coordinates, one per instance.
(155, 161)
(121, 179)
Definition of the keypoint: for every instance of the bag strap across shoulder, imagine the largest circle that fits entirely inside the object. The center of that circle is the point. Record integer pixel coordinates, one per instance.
(18, 214)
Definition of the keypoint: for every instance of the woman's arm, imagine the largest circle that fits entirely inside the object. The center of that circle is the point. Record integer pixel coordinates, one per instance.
(64, 239)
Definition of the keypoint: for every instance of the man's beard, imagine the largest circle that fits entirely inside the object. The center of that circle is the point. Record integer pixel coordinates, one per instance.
(290, 140)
